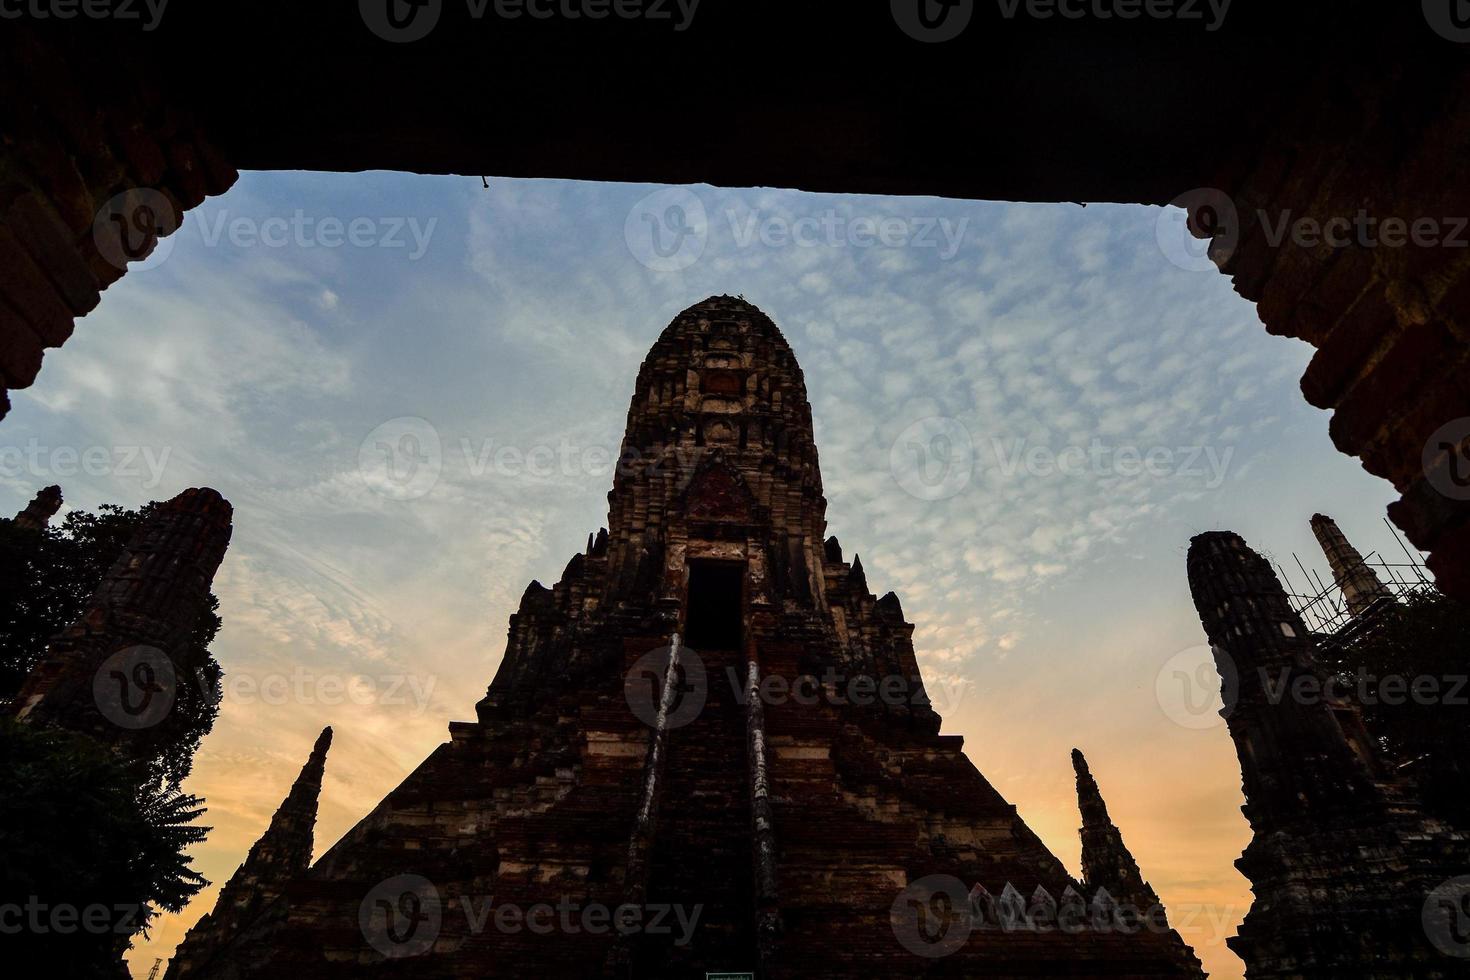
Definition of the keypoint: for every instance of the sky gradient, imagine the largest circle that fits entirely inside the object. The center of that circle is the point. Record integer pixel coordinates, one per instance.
(1023, 413)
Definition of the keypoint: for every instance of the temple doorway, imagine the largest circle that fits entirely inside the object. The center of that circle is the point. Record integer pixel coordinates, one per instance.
(713, 619)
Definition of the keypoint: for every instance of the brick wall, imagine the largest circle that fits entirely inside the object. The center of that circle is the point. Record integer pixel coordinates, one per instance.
(1388, 312)
(94, 164)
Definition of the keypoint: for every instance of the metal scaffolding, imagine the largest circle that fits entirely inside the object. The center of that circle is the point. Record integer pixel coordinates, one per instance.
(1324, 609)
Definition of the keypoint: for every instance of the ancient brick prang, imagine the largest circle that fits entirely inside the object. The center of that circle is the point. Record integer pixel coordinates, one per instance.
(43, 506)
(1106, 861)
(1109, 871)
(282, 853)
(114, 673)
(1344, 857)
(781, 775)
(718, 464)
(1360, 585)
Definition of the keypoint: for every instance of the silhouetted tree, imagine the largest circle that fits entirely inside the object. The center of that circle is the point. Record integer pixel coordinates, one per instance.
(90, 849)
(1409, 673)
(50, 575)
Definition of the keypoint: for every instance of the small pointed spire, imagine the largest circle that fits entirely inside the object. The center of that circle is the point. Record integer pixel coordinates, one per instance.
(1360, 585)
(282, 853)
(41, 509)
(858, 577)
(1107, 863)
(288, 840)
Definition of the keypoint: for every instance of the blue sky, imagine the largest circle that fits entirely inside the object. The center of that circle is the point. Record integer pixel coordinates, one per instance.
(980, 376)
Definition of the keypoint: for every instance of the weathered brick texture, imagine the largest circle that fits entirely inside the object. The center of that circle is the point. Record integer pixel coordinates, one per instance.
(76, 130)
(1390, 318)
(794, 831)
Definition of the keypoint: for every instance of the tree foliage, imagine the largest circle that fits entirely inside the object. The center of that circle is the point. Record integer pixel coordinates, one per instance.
(89, 849)
(50, 575)
(1411, 673)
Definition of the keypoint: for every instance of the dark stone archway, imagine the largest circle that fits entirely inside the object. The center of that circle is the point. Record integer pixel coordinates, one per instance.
(1314, 109)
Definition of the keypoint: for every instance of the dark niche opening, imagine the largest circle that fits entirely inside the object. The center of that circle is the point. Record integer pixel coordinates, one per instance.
(713, 616)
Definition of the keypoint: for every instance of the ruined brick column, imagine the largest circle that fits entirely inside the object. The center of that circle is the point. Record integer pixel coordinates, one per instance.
(114, 673)
(1343, 857)
(1360, 585)
(282, 853)
(38, 513)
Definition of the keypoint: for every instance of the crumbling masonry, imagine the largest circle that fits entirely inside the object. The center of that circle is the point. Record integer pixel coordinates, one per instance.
(610, 767)
(1345, 862)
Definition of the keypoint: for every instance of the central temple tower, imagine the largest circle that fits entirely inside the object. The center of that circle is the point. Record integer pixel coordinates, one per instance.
(707, 749)
(715, 527)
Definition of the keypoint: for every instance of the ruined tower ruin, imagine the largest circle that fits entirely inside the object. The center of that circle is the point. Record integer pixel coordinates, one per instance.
(282, 853)
(43, 506)
(1360, 585)
(1344, 863)
(115, 672)
(707, 749)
